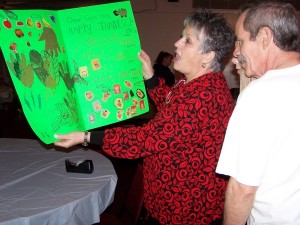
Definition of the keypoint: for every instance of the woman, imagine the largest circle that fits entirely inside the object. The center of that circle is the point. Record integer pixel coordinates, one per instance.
(181, 144)
(161, 67)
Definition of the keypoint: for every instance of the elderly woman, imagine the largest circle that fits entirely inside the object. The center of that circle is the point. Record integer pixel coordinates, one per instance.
(181, 144)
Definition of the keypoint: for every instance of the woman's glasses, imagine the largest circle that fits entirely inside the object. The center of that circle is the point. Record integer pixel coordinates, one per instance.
(172, 89)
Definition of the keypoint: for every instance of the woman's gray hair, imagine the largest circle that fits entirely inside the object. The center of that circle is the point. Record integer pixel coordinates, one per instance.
(282, 20)
(214, 33)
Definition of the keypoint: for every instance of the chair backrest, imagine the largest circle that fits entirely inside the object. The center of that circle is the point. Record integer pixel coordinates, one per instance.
(135, 197)
(125, 170)
(129, 195)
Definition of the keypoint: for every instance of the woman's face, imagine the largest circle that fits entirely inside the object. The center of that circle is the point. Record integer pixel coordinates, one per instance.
(188, 58)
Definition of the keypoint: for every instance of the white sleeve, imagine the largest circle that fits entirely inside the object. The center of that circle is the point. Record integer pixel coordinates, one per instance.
(244, 154)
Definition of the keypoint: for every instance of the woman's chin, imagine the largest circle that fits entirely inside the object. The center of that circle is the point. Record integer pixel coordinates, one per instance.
(176, 67)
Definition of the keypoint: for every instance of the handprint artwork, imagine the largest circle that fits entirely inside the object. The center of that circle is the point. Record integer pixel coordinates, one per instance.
(66, 65)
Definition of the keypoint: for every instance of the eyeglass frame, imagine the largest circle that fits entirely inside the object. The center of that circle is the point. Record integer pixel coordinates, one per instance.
(167, 100)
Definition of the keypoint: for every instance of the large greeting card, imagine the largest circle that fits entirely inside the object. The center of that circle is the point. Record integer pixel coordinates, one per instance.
(74, 69)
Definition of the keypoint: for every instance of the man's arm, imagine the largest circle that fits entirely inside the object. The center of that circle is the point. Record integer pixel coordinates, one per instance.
(239, 200)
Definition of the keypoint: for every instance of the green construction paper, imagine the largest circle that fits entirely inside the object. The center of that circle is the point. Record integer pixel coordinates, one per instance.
(74, 69)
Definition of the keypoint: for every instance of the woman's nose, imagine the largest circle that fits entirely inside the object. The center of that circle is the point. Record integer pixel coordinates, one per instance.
(177, 43)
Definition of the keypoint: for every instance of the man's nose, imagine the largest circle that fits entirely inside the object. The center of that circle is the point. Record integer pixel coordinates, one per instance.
(236, 51)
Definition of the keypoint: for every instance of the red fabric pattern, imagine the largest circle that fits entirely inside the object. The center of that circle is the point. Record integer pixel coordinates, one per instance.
(181, 146)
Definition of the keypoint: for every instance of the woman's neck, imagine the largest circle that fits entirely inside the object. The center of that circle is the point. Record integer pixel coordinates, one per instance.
(199, 74)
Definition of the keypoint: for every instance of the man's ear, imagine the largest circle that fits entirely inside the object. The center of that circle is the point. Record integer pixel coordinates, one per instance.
(265, 35)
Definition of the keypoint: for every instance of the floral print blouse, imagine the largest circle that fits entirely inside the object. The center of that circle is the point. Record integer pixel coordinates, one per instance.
(181, 147)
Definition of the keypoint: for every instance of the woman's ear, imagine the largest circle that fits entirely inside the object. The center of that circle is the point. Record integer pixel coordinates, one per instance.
(208, 58)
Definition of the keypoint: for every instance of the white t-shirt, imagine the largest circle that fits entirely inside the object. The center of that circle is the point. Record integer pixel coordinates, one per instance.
(262, 146)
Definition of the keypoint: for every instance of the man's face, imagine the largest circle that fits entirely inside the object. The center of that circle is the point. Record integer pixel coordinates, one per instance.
(247, 52)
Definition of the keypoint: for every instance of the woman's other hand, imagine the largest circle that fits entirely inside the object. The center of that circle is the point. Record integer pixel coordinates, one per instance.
(69, 140)
(146, 65)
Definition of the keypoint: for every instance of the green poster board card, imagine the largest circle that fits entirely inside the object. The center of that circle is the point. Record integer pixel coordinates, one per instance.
(74, 69)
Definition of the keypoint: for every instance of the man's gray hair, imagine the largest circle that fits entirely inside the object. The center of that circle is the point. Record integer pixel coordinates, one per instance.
(280, 17)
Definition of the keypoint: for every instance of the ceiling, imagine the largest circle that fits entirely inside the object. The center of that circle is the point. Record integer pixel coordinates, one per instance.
(49, 4)
(59, 4)
(234, 4)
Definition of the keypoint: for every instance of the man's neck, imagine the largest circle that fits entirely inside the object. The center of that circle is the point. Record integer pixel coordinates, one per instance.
(290, 59)
(285, 60)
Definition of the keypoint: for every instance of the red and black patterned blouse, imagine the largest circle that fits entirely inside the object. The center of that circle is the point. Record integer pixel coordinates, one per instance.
(181, 147)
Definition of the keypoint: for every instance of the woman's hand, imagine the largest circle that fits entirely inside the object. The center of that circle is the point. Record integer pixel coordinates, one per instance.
(146, 65)
(69, 140)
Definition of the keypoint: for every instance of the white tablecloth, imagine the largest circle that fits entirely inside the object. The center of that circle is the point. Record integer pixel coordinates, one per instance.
(35, 188)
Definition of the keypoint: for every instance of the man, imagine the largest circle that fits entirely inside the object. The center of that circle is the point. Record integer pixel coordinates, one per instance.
(261, 151)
